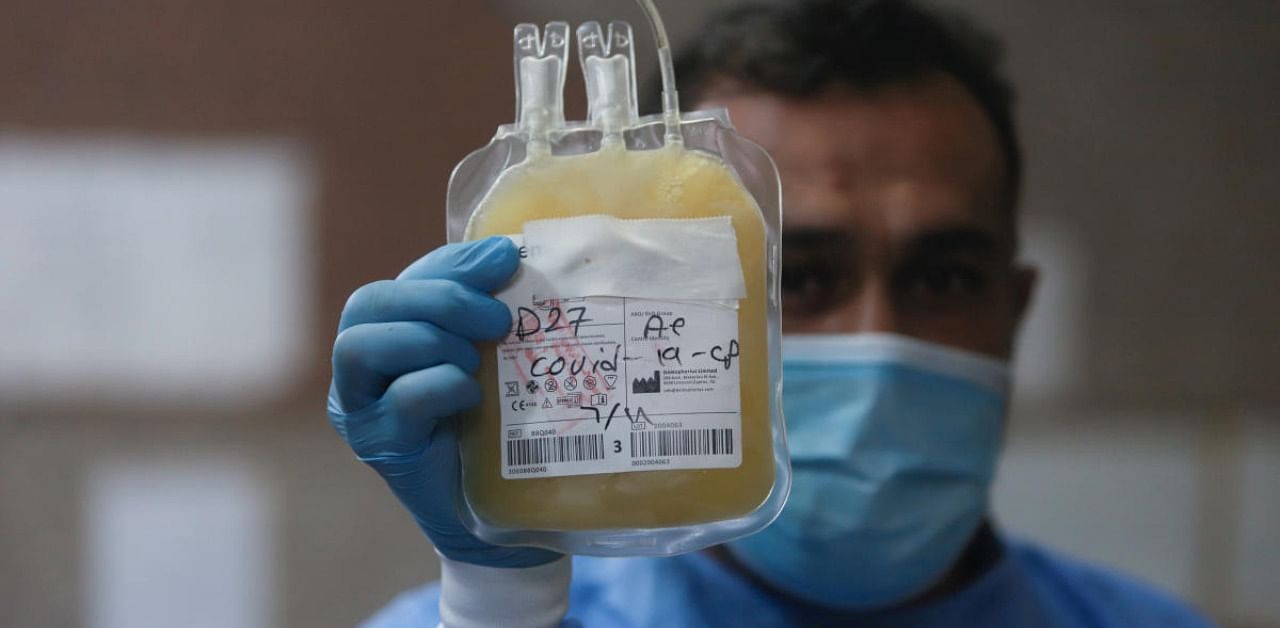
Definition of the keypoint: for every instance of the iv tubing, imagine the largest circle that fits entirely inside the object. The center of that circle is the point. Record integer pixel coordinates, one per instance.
(670, 98)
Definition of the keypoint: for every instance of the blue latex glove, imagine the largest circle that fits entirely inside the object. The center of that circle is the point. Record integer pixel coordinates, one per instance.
(402, 367)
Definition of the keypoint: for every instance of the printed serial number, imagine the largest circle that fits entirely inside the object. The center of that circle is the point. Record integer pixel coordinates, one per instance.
(692, 442)
(555, 449)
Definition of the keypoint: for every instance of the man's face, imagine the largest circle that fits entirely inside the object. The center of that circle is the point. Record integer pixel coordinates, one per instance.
(894, 217)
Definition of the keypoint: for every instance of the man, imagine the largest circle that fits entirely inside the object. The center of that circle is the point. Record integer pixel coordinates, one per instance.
(901, 170)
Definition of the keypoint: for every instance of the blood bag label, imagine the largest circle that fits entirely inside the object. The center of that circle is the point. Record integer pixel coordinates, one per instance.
(608, 384)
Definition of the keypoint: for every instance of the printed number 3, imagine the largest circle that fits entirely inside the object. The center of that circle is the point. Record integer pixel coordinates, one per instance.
(617, 446)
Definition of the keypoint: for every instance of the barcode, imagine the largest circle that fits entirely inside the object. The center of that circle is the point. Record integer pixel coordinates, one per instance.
(555, 449)
(704, 442)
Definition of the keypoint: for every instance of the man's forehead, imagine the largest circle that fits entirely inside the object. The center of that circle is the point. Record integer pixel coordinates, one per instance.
(911, 157)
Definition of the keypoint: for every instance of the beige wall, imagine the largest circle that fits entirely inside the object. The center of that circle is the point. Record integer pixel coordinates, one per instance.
(375, 96)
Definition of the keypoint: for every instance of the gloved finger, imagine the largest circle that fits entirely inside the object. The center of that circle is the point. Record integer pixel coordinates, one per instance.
(401, 423)
(485, 265)
(367, 358)
(448, 304)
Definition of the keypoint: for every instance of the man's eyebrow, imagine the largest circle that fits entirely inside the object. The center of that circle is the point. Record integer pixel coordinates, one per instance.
(798, 238)
(954, 240)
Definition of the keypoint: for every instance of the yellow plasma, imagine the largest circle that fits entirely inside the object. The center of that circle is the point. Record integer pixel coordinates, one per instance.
(671, 182)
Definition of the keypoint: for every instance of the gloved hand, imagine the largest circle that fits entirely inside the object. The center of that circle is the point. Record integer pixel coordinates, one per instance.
(402, 367)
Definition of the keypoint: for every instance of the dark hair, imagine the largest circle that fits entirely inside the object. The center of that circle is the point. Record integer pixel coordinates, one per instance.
(799, 48)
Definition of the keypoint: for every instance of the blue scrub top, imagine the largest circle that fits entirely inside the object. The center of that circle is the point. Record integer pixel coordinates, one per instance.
(1028, 586)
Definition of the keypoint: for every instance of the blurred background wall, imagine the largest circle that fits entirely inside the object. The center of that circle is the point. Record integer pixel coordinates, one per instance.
(189, 190)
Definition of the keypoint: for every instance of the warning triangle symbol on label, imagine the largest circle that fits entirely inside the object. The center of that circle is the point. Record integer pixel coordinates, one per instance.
(611, 381)
(547, 403)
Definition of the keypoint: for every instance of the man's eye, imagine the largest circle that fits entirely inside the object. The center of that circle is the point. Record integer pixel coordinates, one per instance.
(810, 288)
(941, 282)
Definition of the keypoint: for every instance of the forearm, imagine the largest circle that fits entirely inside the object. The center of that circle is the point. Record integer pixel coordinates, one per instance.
(473, 596)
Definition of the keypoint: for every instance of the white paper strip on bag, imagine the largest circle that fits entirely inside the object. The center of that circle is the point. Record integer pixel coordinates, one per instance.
(671, 259)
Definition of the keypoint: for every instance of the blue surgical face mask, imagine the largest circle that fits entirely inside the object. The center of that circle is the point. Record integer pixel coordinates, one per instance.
(893, 447)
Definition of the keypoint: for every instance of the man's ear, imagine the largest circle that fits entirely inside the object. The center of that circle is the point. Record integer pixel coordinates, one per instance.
(1025, 278)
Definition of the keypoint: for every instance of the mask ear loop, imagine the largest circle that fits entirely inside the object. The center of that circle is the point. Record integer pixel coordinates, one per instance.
(670, 98)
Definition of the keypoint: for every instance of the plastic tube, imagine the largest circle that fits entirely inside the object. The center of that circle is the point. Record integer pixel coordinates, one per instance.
(670, 97)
